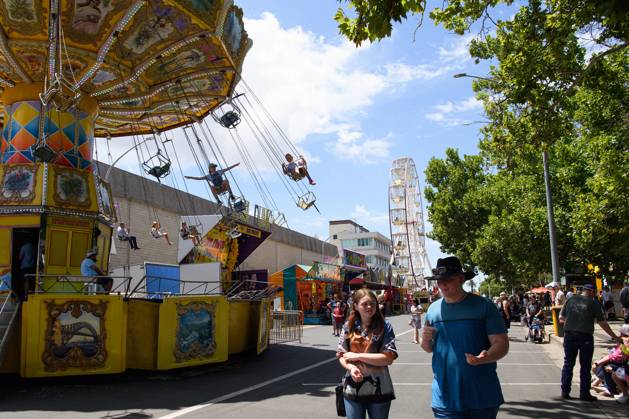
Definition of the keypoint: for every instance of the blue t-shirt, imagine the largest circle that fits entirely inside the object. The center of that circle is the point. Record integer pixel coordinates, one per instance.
(87, 267)
(463, 327)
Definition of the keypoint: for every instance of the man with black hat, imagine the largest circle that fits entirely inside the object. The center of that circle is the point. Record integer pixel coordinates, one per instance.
(466, 335)
(578, 316)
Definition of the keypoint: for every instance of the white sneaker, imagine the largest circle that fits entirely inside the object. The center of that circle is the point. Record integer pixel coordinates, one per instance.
(621, 398)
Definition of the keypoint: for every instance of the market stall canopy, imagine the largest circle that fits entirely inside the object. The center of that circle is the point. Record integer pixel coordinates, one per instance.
(143, 64)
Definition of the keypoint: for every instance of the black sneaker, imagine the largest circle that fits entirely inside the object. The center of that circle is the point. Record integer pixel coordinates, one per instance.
(588, 398)
(567, 396)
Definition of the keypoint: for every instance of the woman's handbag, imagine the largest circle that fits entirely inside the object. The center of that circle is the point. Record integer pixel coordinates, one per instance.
(340, 400)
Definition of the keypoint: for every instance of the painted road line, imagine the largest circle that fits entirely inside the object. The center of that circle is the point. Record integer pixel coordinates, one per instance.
(237, 393)
(430, 384)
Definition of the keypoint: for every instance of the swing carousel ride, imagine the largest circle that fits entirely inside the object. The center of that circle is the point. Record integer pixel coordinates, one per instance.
(73, 70)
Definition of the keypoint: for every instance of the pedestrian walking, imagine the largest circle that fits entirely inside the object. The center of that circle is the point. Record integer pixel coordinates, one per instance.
(578, 316)
(416, 319)
(337, 311)
(466, 335)
(366, 348)
(505, 309)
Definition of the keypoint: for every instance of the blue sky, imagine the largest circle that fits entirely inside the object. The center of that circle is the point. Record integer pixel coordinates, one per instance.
(351, 111)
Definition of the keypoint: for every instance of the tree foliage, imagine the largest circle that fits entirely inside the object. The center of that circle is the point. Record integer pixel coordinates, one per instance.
(559, 81)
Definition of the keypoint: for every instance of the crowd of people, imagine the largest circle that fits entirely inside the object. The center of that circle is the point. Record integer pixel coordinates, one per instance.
(367, 345)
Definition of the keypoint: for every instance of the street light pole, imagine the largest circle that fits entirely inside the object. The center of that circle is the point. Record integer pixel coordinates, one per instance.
(554, 258)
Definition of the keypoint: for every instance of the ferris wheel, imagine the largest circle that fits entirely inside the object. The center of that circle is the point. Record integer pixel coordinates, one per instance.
(406, 221)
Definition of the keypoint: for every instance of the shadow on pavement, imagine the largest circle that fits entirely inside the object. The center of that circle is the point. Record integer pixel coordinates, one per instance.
(138, 391)
(557, 408)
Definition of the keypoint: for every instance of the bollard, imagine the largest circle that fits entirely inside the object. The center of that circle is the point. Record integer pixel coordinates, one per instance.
(556, 325)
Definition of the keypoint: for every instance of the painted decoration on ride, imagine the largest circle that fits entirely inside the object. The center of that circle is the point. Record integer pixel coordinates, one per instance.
(69, 135)
(354, 259)
(75, 335)
(156, 27)
(85, 19)
(215, 246)
(21, 130)
(24, 15)
(195, 336)
(105, 199)
(263, 326)
(234, 34)
(18, 184)
(71, 187)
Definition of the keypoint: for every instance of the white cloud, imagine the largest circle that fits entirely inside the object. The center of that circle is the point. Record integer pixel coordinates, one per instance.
(456, 50)
(374, 221)
(449, 113)
(350, 144)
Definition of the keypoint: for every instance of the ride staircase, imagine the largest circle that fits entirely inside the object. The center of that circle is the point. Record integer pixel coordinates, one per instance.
(9, 309)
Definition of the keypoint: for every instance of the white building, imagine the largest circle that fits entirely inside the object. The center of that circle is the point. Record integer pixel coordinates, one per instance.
(346, 234)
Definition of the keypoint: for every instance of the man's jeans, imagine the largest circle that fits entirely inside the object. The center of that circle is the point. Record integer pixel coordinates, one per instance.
(583, 344)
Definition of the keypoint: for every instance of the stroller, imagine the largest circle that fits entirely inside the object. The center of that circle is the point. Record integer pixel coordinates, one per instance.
(537, 331)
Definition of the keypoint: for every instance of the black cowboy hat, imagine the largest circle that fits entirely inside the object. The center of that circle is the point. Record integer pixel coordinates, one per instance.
(448, 267)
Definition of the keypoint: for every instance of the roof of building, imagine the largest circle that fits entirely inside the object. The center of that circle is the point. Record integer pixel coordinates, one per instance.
(352, 222)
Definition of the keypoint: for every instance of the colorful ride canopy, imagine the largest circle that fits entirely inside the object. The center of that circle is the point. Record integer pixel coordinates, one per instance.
(145, 63)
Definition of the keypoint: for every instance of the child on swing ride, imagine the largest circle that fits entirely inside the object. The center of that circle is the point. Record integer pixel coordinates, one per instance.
(297, 169)
(157, 232)
(188, 233)
(218, 184)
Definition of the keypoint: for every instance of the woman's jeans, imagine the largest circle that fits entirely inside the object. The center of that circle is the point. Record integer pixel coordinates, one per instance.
(357, 410)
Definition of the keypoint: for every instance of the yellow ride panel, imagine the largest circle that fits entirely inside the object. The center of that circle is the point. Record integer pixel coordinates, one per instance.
(73, 335)
(192, 331)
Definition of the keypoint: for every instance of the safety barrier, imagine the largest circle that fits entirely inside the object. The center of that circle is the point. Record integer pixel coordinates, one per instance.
(287, 326)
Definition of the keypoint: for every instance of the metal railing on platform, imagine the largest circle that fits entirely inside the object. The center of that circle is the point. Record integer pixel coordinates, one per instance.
(287, 326)
(251, 290)
(9, 308)
(79, 284)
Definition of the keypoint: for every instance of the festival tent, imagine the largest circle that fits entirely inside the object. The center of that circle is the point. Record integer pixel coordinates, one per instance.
(287, 279)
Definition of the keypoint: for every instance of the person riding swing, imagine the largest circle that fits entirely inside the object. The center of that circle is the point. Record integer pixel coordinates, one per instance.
(297, 169)
(218, 184)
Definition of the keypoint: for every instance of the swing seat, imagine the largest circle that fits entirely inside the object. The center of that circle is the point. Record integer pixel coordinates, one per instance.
(159, 171)
(230, 119)
(296, 176)
(239, 205)
(43, 152)
(306, 201)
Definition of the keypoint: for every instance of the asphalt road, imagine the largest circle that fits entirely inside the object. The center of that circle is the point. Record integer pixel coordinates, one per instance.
(292, 381)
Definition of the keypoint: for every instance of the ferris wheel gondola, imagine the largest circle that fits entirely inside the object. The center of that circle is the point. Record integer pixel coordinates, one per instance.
(406, 222)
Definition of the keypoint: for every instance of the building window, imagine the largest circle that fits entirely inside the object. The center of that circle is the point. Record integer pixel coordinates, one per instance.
(349, 243)
(364, 242)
